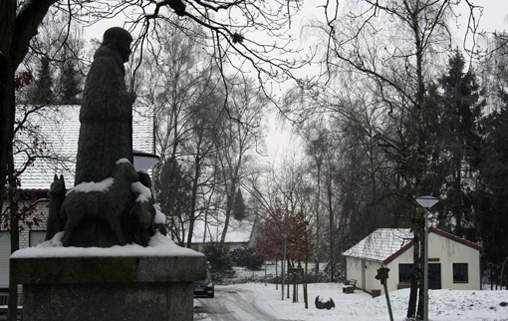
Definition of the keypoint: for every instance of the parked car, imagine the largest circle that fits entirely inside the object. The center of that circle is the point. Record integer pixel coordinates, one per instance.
(205, 287)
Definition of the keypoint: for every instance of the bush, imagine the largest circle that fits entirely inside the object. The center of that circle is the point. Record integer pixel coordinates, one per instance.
(247, 257)
(219, 261)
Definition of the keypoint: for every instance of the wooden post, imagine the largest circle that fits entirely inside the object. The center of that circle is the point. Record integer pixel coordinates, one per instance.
(387, 299)
(382, 275)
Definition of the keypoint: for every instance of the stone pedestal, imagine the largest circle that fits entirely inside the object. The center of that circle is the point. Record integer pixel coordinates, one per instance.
(108, 288)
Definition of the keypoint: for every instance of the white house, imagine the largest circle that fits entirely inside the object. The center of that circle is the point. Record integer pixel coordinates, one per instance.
(58, 128)
(454, 263)
(241, 233)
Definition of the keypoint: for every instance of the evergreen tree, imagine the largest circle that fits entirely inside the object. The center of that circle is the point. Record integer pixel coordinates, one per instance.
(239, 206)
(173, 188)
(455, 143)
(43, 92)
(71, 84)
(492, 195)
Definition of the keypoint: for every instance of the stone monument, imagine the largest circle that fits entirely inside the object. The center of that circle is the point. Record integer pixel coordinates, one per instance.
(101, 210)
(104, 258)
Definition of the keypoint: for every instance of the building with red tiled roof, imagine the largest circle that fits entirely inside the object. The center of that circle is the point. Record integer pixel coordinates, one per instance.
(454, 263)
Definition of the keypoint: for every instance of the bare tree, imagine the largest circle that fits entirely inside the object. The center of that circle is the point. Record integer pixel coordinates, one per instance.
(236, 143)
(233, 27)
(391, 47)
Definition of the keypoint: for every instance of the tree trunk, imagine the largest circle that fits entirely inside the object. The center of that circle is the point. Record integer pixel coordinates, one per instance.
(195, 181)
(13, 284)
(330, 212)
(413, 294)
(318, 234)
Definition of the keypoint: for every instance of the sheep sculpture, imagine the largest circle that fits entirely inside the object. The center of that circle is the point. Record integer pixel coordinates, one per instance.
(106, 201)
(56, 199)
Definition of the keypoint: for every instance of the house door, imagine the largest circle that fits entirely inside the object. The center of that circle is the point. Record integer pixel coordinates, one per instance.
(434, 276)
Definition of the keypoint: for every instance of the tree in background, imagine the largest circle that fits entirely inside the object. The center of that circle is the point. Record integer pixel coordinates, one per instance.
(284, 229)
(219, 261)
(491, 195)
(239, 206)
(20, 209)
(282, 225)
(492, 222)
(379, 58)
(70, 84)
(173, 190)
(43, 90)
(227, 45)
(247, 257)
(236, 143)
(454, 146)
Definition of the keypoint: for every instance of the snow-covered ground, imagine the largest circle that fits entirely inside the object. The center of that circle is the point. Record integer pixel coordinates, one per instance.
(444, 305)
(359, 306)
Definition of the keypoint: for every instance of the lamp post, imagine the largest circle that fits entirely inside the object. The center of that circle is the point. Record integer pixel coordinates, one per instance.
(426, 202)
(284, 235)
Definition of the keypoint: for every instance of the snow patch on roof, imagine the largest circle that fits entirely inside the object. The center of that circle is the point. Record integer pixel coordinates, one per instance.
(239, 231)
(381, 244)
(58, 128)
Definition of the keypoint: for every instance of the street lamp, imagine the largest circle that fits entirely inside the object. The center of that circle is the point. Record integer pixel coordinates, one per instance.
(426, 202)
(284, 235)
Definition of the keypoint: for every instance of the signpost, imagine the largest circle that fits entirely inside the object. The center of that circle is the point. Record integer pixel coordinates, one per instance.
(382, 275)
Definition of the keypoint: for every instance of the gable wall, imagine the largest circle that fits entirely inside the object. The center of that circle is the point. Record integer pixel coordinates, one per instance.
(449, 251)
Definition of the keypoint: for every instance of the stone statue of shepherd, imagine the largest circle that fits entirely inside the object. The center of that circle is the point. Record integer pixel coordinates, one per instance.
(105, 208)
(106, 113)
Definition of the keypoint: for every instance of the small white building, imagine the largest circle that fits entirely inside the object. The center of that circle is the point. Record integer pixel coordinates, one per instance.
(454, 263)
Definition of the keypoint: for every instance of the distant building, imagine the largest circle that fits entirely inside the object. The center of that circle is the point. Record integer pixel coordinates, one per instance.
(454, 263)
(241, 233)
(58, 129)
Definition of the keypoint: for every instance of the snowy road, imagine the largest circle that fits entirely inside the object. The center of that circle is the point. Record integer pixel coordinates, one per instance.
(233, 305)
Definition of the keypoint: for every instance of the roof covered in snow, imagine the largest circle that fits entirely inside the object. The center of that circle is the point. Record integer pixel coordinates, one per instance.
(384, 244)
(57, 129)
(381, 244)
(239, 231)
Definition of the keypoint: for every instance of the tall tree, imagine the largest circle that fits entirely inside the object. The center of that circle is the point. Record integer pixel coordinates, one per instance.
(492, 195)
(239, 206)
(70, 84)
(394, 66)
(491, 220)
(43, 89)
(236, 142)
(456, 143)
(173, 190)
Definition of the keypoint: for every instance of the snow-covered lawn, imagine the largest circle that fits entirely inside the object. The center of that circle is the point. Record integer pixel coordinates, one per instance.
(359, 306)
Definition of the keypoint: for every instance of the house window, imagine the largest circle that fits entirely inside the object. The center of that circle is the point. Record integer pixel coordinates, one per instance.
(36, 237)
(460, 273)
(405, 273)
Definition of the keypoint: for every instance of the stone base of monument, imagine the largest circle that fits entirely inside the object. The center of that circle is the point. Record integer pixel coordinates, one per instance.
(112, 288)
